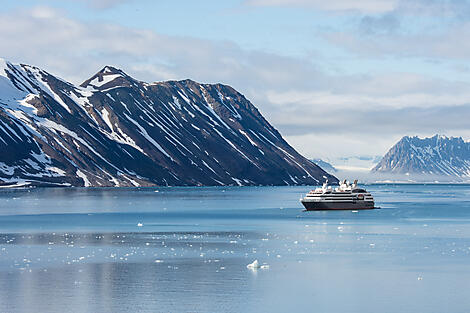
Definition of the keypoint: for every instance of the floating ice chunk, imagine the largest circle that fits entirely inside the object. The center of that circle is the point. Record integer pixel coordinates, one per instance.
(254, 265)
(140, 224)
(158, 261)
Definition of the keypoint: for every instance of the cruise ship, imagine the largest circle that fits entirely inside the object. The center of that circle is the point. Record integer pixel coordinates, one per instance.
(345, 197)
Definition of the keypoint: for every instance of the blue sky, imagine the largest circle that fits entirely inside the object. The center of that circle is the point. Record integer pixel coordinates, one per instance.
(337, 78)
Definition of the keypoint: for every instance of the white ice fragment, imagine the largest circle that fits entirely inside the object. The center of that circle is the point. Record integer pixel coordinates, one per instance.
(140, 224)
(254, 265)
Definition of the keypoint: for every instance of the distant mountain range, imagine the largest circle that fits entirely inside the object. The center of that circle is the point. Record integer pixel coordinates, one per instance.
(114, 130)
(437, 156)
(325, 165)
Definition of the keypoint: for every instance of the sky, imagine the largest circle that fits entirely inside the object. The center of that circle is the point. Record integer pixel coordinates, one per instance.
(337, 78)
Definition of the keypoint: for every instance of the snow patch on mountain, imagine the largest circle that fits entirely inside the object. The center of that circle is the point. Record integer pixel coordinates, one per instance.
(113, 130)
(439, 156)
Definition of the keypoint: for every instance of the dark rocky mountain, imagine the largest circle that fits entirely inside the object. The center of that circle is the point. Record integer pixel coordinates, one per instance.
(113, 130)
(435, 156)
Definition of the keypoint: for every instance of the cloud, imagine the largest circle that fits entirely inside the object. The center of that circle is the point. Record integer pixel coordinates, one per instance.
(364, 6)
(443, 8)
(448, 43)
(49, 39)
(308, 105)
(373, 133)
(103, 4)
(384, 24)
(434, 29)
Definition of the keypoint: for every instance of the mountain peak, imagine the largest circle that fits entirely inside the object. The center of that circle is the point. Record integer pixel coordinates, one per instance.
(111, 70)
(3, 66)
(106, 76)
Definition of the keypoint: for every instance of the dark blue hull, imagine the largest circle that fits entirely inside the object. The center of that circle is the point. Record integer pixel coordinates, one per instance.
(338, 205)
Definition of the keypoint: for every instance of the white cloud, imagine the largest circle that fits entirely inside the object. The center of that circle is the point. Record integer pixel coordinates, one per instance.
(103, 4)
(447, 43)
(305, 103)
(442, 8)
(365, 6)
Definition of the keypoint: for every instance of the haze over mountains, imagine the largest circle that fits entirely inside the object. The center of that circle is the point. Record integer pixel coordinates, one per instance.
(325, 165)
(113, 130)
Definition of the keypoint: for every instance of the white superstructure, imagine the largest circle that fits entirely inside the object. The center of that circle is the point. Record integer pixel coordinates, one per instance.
(346, 196)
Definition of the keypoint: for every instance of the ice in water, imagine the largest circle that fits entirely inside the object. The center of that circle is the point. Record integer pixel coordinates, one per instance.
(80, 250)
(254, 265)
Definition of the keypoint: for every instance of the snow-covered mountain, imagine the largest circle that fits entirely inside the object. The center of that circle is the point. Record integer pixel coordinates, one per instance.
(113, 130)
(436, 156)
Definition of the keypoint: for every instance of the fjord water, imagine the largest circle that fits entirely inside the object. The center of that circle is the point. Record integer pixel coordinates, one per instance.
(186, 250)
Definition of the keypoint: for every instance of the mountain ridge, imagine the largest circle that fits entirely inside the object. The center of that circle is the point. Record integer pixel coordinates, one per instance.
(433, 156)
(114, 130)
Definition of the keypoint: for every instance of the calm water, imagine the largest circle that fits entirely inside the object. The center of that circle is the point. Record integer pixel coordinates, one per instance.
(186, 250)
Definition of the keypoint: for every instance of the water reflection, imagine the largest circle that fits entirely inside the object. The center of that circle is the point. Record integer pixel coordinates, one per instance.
(186, 250)
(185, 286)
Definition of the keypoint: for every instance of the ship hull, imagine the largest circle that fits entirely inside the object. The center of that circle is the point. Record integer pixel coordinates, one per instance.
(337, 205)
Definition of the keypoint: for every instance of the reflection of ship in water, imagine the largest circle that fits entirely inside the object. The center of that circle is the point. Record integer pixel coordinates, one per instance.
(344, 197)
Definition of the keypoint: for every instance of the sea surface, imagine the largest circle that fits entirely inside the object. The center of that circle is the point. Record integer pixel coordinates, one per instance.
(187, 250)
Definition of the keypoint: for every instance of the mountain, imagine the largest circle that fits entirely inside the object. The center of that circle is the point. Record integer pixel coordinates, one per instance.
(114, 130)
(325, 165)
(436, 156)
